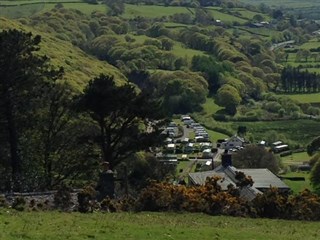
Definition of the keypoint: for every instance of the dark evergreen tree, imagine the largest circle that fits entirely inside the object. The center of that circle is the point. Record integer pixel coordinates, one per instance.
(23, 75)
(120, 114)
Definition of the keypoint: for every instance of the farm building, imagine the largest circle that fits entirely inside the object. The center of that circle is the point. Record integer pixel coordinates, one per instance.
(281, 148)
(262, 178)
(234, 141)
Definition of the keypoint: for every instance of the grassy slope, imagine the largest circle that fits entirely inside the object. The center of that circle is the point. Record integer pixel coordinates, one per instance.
(304, 98)
(42, 6)
(301, 131)
(298, 186)
(53, 225)
(224, 17)
(178, 48)
(79, 67)
(285, 3)
(151, 11)
(83, 7)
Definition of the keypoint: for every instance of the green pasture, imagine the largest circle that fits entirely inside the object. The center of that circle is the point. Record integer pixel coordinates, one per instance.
(214, 136)
(224, 17)
(175, 25)
(210, 107)
(298, 186)
(300, 131)
(245, 13)
(180, 51)
(81, 6)
(40, 7)
(19, 2)
(295, 158)
(304, 98)
(148, 225)
(264, 32)
(178, 48)
(313, 43)
(151, 11)
(21, 11)
(285, 3)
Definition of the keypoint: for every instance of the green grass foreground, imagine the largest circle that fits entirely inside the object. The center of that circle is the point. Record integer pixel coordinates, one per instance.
(55, 225)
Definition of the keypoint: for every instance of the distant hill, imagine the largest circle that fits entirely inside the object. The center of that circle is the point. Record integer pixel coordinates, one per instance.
(79, 67)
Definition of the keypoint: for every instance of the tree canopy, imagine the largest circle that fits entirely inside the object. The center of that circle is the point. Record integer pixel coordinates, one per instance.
(122, 116)
(253, 156)
(23, 75)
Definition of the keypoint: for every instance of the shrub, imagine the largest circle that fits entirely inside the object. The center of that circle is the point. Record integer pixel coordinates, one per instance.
(19, 204)
(3, 202)
(62, 198)
(86, 199)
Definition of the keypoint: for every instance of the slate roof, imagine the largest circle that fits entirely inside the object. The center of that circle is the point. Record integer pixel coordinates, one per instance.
(262, 179)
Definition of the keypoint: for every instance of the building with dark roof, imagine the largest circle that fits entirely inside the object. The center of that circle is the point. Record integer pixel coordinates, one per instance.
(263, 179)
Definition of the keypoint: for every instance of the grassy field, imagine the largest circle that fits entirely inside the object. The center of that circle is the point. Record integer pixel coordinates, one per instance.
(304, 98)
(245, 13)
(210, 107)
(151, 11)
(224, 17)
(296, 158)
(298, 186)
(119, 226)
(300, 131)
(31, 7)
(285, 3)
(83, 7)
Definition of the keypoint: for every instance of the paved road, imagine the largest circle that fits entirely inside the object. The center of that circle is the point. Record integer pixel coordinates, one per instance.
(186, 133)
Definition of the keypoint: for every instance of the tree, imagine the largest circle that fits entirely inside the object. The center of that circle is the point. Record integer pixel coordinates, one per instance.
(253, 156)
(120, 113)
(314, 146)
(167, 44)
(315, 177)
(212, 70)
(277, 14)
(258, 18)
(55, 149)
(115, 7)
(22, 75)
(228, 97)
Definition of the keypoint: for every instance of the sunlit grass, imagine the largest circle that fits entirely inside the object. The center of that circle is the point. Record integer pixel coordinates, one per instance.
(158, 226)
(304, 98)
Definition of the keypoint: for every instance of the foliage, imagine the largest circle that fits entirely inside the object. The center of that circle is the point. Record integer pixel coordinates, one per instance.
(119, 112)
(253, 156)
(181, 92)
(313, 146)
(297, 80)
(212, 70)
(19, 204)
(24, 74)
(315, 177)
(62, 198)
(208, 198)
(229, 97)
(86, 199)
(143, 167)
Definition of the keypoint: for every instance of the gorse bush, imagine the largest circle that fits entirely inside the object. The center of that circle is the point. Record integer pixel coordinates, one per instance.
(208, 199)
(86, 199)
(212, 200)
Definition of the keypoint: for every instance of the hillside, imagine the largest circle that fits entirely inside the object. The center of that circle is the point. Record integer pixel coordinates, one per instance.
(79, 67)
